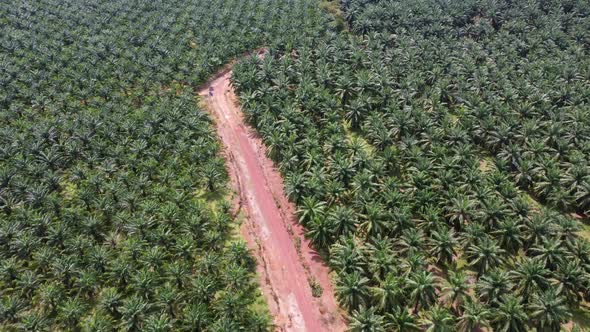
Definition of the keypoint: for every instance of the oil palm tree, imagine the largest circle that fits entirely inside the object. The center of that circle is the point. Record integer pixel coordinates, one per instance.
(343, 219)
(439, 319)
(443, 245)
(485, 255)
(510, 315)
(461, 211)
(366, 320)
(390, 293)
(549, 310)
(573, 280)
(455, 290)
(530, 277)
(475, 316)
(401, 320)
(509, 233)
(132, 312)
(310, 209)
(423, 288)
(352, 290)
(320, 231)
(493, 285)
(347, 257)
(551, 252)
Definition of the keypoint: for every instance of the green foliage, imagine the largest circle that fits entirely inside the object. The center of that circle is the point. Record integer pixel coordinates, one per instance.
(471, 108)
(103, 154)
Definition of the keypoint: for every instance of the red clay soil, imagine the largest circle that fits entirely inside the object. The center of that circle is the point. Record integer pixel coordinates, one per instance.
(270, 227)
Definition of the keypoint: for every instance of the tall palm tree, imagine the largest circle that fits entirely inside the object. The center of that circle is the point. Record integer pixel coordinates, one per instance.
(537, 228)
(346, 256)
(461, 211)
(573, 280)
(381, 258)
(411, 241)
(35, 321)
(158, 323)
(493, 211)
(196, 316)
(344, 220)
(375, 220)
(98, 321)
(132, 312)
(110, 300)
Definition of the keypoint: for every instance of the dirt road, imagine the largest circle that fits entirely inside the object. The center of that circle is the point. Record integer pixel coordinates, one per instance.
(270, 228)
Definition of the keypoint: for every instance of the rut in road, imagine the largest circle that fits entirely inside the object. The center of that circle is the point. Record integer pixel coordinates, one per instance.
(271, 229)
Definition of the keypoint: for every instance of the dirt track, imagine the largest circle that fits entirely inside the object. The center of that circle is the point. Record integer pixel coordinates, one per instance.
(270, 228)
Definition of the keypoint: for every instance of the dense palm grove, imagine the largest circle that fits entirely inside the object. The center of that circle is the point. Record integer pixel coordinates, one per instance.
(520, 72)
(438, 155)
(111, 181)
